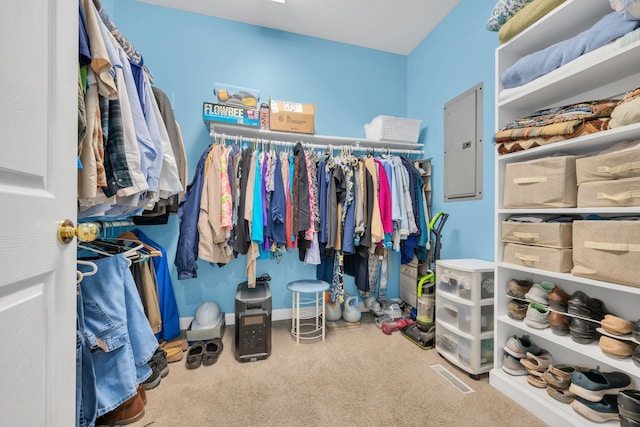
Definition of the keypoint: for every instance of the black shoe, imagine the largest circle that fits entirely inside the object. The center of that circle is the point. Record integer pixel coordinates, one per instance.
(154, 378)
(212, 351)
(629, 404)
(194, 355)
(582, 331)
(580, 304)
(636, 331)
(160, 358)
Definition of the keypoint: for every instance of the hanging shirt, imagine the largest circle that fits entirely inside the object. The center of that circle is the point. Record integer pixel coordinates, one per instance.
(187, 249)
(278, 206)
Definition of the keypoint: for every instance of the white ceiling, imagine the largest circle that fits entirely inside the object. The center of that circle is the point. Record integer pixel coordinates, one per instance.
(395, 26)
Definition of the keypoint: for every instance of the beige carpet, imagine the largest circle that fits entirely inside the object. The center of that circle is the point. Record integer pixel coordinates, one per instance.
(357, 377)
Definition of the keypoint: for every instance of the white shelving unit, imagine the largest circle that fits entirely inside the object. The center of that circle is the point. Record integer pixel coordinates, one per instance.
(230, 131)
(464, 313)
(610, 75)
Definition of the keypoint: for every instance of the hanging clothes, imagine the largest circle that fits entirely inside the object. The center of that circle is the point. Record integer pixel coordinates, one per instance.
(170, 317)
(117, 331)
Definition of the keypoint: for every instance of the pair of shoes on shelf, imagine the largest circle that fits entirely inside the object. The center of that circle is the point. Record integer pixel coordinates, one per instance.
(129, 412)
(582, 331)
(517, 309)
(512, 366)
(616, 325)
(518, 347)
(596, 393)
(518, 288)
(159, 369)
(629, 407)
(559, 376)
(636, 331)
(616, 348)
(537, 316)
(593, 384)
(580, 304)
(558, 299)
(537, 364)
(602, 411)
(561, 395)
(204, 353)
(539, 293)
(559, 323)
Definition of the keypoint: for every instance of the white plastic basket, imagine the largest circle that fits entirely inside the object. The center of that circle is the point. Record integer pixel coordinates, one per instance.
(391, 128)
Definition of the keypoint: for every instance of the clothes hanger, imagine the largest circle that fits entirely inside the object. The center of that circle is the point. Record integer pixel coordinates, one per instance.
(93, 265)
(131, 237)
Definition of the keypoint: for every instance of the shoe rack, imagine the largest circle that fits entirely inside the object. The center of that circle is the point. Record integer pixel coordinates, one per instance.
(610, 75)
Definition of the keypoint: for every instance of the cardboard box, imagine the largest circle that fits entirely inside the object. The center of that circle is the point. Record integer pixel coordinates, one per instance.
(607, 250)
(288, 116)
(550, 234)
(230, 114)
(206, 334)
(549, 182)
(559, 260)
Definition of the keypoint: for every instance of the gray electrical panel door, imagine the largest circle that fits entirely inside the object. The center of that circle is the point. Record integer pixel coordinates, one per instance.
(463, 146)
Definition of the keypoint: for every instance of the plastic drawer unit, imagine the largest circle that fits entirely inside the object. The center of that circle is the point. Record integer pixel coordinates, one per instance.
(464, 313)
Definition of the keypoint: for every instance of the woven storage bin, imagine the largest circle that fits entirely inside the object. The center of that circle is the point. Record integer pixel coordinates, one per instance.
(549, 234)
(390, 128)
(622, 161)
(549, 182)
(607, 250)
(615, 193)
(550, 259)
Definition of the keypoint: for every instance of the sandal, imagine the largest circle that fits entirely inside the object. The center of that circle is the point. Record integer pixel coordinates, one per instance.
(194, 355)
(212, 351)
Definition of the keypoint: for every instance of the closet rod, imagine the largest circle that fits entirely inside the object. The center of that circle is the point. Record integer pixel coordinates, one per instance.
(92, 230)
(356, 147)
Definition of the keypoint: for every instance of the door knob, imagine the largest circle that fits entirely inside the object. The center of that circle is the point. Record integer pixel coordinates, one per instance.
(85, 232)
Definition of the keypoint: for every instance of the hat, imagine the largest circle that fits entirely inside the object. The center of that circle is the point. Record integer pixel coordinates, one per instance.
(208, 315)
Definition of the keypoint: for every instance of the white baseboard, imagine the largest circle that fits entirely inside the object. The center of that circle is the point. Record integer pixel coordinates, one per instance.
(230, 318)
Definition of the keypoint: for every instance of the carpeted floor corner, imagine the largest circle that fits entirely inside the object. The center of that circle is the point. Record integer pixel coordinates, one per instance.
(357, 377)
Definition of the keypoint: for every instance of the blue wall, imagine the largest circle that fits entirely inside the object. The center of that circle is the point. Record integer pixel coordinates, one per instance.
(186, 53)
(454, 57)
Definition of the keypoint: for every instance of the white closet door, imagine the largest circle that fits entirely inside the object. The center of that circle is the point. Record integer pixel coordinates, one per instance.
(38, 87)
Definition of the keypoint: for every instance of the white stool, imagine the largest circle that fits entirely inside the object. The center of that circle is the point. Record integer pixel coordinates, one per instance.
(307, 312)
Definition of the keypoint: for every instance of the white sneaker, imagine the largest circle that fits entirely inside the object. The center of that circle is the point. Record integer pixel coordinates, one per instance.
(537, 316)
(539, 293)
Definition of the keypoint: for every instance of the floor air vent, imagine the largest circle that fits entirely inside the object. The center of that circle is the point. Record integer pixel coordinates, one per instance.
(457, 383)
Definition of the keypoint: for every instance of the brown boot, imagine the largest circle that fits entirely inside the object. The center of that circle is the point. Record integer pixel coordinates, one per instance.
(130, 411)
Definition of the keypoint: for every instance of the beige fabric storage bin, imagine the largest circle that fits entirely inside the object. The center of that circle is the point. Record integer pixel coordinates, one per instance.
(616, 193)
(549, 182)
(550, 259)
(549, 234)
(607, 250)
(620, 161)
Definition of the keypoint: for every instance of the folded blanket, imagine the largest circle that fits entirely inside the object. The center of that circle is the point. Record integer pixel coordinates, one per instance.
(579, 111)
(525, 17)
(565, 128)
(587, 128)
(539, 63)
